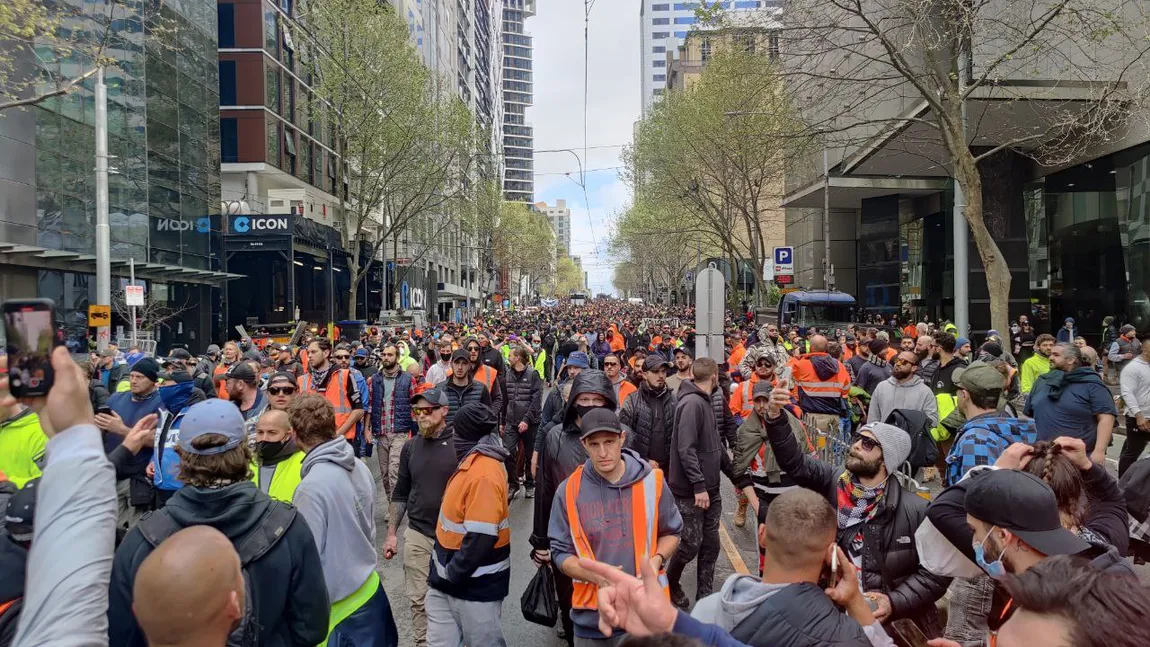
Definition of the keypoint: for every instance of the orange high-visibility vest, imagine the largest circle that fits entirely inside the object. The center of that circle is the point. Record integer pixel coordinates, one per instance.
(336, 396)
(645, 498)
(623, 389)
(486, 375)
(742, 401)
(222, 387)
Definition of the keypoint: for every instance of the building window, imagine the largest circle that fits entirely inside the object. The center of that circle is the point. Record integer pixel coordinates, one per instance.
(688, 20)
(289, 149)
(705, 50)
(686, 6)
(661, 7)
(227, 81)
(273, 89)
(659, 49)
(229, 140)
(659, 63)
(273, 138)
(226, 29)
(659, 35)
(747, 4)
(659, 78)
(271, 35)
(661, 21)
(680, 34)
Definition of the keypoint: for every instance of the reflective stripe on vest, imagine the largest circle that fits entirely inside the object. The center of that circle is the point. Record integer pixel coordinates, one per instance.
(342, 609)
(337, 396)
(644, 531)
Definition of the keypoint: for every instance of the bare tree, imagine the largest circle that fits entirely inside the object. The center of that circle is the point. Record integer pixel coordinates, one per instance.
(153, 314)
(953, 83)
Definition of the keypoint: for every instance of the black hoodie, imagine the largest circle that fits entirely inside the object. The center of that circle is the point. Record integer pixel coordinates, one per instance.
(697, 454)
(288, 590)
(562, 451)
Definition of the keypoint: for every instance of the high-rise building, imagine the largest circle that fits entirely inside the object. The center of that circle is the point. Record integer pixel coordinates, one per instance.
(163, 186)
(518, 92)
(560, 218)
(663, 26)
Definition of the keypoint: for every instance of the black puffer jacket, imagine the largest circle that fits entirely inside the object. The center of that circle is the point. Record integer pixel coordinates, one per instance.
(562, 452)
(641, 412)
(724, 419)
(522, 398)
(457, 396)
(799, 615)
(890, 557)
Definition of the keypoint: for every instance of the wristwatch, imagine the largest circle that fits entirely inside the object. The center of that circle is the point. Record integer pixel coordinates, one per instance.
(662, 561)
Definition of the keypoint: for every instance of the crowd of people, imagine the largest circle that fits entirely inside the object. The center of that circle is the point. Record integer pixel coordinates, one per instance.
(228, 500)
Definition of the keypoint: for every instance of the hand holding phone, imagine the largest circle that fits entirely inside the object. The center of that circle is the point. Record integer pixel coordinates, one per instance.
(910, 633)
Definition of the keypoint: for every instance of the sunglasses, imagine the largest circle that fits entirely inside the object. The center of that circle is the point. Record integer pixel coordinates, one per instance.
(764, 363)
(343, 356)
(868, 443)
(903, 361)
(610, 363)
(281, 390)
(422, 411)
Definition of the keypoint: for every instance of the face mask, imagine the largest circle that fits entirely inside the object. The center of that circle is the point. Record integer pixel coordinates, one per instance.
(996, 569)
(267, 450)
(583, 409)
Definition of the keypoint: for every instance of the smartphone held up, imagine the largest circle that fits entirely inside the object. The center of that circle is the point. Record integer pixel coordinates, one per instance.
(30, 336)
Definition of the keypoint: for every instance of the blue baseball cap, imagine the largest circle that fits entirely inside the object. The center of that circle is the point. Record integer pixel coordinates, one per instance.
(580, 359)
(213, 416)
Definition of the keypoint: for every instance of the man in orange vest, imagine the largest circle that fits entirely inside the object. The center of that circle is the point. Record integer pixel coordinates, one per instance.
(645, 526)
(337, 385)
(742, 401)
(613, 366)
(821, 386)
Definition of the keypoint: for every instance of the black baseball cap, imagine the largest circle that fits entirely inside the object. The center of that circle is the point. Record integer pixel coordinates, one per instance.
(599, 419)
(180, 354)
(1025, 505)
(683, 350)
(434, 395)
(654, 361)
(461, 354)
(243, 372)
(762, 389)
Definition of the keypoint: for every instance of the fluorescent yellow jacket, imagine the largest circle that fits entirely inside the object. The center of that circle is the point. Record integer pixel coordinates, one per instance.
(1033, 368)
(22, 444)
(285, 479)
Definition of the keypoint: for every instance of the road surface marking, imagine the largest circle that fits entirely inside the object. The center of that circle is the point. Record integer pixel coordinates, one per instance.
(732, 550)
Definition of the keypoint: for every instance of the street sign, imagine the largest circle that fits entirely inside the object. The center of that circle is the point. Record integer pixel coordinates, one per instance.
(710, 306)
(99, 316)
(768, 269)
(134, 295)
(784, 279)
(784, 260)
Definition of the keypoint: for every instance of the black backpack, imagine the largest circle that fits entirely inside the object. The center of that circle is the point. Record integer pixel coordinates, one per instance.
(159, 525)
(923, 450)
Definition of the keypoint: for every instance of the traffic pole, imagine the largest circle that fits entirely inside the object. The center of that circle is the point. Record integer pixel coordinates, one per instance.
(103, 231)
(132, 282)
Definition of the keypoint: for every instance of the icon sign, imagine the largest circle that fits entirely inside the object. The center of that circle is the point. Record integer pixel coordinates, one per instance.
(99, 316)
(241, 225)
(784, 260)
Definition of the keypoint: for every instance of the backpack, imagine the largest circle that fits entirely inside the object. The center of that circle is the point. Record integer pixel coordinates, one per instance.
(923, 450)
(159, 525)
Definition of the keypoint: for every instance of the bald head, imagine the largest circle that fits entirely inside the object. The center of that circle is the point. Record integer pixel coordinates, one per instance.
(274, 425)
(818, 344)
(190, 589)
(799, 528)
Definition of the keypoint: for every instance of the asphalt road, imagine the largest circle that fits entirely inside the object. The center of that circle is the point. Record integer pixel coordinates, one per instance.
(739, 552)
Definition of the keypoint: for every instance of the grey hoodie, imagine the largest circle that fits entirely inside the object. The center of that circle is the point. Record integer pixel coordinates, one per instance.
(913, 394)
(605, 513)
(337, 498)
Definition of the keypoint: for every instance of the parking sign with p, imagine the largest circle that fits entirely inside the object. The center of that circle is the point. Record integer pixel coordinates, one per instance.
(784, 260)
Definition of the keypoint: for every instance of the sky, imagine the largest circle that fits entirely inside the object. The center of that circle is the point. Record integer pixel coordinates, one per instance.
(613, 107)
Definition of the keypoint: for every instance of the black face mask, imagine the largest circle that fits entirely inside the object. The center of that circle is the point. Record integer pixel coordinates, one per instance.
(583, 409)
(270, 450)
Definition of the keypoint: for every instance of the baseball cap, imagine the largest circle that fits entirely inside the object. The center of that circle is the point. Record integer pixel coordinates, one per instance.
(654, 361)
(243, 372)
(282, 376)
(213, 416)
(21, 512)
(283, 347)
(213, 350)
(579, 358)
(1023, 504)
(762, 389)
(361, 352)
(980, 378)
(599, 419)
(683, 350)
(461, 354)
(180, 354)
(434, 395)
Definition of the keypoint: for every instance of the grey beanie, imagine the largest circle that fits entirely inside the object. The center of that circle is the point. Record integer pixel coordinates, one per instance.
(895, 444)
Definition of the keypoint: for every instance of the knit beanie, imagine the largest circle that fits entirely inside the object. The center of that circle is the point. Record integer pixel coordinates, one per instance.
(895, 444)
(147, 367)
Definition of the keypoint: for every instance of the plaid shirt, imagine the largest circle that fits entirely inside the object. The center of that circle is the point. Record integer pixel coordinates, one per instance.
(984, 438)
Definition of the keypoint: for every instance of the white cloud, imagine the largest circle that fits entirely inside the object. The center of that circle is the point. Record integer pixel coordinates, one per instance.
(613, 102)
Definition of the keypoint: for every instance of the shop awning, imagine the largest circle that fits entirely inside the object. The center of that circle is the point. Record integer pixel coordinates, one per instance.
(849, 192)
(56, 259)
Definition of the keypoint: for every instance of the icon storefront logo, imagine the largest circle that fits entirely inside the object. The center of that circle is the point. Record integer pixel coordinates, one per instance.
(271, 224)
(201, 225)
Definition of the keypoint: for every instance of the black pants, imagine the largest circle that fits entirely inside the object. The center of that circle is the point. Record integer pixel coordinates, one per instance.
(565, 589)
(1135, 444)
(765, 500)
(700, 538)
(520, 446)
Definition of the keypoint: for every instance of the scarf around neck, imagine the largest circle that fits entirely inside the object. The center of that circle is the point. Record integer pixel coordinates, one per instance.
(856, 502)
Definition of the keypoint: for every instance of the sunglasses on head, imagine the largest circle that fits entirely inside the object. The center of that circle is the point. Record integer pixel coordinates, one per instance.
(281, 390)
(868, 443)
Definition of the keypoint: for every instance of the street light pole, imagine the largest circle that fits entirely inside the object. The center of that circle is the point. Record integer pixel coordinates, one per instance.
(827, 279)
(103, 231)
(960, 229)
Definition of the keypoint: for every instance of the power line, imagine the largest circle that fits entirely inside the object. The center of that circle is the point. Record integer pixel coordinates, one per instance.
(593, 170)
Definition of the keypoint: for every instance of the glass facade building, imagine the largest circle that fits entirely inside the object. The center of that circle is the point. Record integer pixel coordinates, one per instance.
(164, 139)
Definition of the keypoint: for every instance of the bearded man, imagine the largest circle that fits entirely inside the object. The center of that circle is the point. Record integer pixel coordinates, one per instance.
(426, 463)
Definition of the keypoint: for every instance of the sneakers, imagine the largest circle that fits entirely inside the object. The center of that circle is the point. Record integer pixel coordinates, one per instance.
(511, 492)
(741, 512)
(679, 599)
(530, 492)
